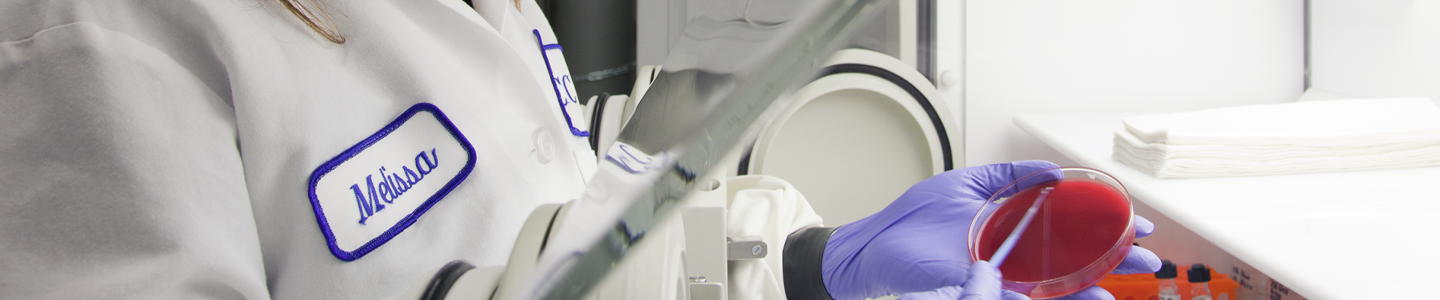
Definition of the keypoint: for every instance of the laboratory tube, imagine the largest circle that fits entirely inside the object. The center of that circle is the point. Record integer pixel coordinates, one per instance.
(1199, 282)
(1168, 289)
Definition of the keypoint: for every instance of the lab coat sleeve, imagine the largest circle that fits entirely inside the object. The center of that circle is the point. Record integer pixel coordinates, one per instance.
(121, 175)
(769, 208)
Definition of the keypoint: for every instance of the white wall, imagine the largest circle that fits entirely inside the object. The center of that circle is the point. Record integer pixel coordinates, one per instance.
(1376, 48)
(1133, 55)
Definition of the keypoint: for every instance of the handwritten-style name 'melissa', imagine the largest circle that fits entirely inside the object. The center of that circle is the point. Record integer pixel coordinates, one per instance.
(392, 184)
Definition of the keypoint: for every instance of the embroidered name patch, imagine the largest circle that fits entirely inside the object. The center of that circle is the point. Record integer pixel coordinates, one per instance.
(377, 188)
(564, 85)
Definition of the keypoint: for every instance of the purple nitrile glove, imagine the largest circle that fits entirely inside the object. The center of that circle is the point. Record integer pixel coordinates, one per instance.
(983, 283)
(918, 242)
(1139, 260)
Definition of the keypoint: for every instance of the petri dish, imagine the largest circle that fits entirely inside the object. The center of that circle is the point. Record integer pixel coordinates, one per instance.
(1079, 234)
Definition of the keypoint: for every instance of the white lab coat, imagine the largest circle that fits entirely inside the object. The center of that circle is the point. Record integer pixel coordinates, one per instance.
(164, 149)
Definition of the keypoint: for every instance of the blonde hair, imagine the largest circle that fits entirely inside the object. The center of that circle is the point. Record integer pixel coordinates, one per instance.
(313, 15)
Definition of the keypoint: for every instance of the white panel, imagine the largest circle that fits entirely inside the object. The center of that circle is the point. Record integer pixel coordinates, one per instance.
(907, 31)
(1131, 55)
(1376, 48)
(950, 64)
(867, 133)
(652, 40)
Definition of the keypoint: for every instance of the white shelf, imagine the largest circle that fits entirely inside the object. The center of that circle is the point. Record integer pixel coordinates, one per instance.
(1344, 235)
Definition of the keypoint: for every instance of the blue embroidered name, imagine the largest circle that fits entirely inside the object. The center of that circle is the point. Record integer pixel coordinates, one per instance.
(386, 182)
(563, 85)
(393, 185)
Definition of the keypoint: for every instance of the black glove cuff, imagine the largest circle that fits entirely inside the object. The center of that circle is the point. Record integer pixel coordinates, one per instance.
(804, 251)
(439, 285)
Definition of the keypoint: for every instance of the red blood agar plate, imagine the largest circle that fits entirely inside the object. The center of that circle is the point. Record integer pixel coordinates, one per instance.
(1080, 233)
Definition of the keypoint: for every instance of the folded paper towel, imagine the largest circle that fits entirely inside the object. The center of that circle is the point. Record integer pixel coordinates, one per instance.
(1302, 137)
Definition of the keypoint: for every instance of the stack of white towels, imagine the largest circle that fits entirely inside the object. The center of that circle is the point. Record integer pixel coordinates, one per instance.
(1299, 137)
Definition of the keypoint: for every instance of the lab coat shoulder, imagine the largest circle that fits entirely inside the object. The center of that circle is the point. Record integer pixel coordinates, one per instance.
(160, 149)
(769, 208)
(122, 171)
(185, 33)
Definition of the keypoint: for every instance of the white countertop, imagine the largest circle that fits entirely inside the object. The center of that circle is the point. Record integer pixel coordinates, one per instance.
(1343, 235)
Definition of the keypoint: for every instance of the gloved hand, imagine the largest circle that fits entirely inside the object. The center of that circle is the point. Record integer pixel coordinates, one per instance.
(983, 284)
(918, 242)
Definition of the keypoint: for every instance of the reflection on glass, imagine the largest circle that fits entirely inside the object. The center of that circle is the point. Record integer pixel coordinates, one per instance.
(724, 79)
